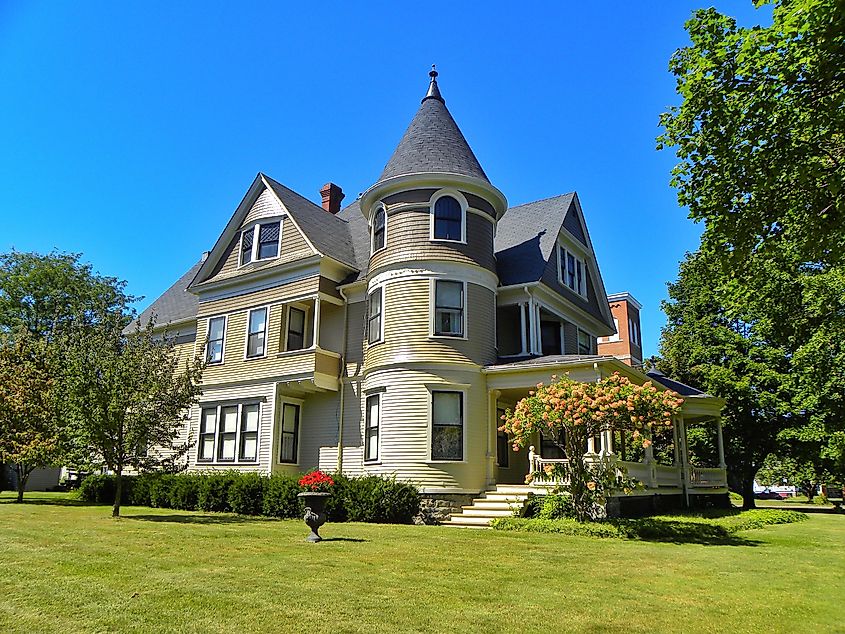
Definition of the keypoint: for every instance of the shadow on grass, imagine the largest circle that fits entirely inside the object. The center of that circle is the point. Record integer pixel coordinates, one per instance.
(195, 518)
(50, 502)
(344, 539)
(680, 532)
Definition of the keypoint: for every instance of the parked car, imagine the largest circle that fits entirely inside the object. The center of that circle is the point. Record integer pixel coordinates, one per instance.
(766, 494)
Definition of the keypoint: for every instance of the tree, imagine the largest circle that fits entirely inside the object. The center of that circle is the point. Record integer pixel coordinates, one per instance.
(706, 345)
(802, 474)
(760, 133)
(30, 434)
(128, 398)
(44, 294)
(571, 412)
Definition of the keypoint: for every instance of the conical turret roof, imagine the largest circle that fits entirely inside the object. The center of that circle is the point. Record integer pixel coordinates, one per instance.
(433, 143)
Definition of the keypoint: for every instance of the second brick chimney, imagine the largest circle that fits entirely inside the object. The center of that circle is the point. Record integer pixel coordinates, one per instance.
(332, 196)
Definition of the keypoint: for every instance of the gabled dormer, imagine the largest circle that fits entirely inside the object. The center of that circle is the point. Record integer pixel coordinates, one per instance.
(552, 295)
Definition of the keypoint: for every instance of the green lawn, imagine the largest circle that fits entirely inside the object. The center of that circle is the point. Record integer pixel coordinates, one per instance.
(71, 568)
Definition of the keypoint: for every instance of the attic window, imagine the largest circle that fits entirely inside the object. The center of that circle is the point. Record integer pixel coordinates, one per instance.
(378, 230)
(260, 242)
(448, 220)
(572, 271)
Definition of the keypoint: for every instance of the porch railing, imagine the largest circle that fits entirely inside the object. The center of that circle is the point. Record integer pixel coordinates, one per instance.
(707, 477)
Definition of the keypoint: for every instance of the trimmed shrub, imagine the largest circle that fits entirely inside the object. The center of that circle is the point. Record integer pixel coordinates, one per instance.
(379, 500)
(246, 493)
(184, 491)
(98, 489)
(161, 489)
(556, 507)
(213, 494)
(140, 495)
(280, 499)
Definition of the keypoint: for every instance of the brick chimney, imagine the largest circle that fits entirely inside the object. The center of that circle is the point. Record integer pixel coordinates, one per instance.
(332, 195)
(626, 344)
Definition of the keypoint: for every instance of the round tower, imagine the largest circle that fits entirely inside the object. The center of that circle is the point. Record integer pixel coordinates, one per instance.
(431, 305)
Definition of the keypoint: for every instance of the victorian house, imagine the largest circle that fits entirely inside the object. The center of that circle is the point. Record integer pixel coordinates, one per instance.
(386, 337)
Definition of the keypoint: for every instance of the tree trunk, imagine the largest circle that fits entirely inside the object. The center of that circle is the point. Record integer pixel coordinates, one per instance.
(747, 492)
(23, 475)
(118, 492)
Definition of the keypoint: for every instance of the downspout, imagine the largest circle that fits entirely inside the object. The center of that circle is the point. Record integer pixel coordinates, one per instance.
(342, 384)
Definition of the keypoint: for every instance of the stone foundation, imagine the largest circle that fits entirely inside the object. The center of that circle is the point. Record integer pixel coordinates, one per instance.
(436, 508)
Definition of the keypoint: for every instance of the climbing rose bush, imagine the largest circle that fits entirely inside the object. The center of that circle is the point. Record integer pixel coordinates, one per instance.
(316, 481)
(569, 412)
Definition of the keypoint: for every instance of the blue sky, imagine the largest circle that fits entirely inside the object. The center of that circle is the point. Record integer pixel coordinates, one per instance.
(131, 131)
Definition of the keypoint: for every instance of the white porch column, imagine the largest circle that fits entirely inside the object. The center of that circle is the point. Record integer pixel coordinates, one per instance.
(607, 442)
(721, 444)
(492, 437)
(591, 444)
(682, 447)
(317, 322)
(675, 453)
(522, 324)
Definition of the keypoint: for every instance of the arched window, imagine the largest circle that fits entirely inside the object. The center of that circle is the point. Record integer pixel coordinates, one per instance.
(379, 219)
(448, 219)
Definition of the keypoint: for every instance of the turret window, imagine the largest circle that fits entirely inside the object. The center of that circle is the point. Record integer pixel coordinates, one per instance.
(379, 230)
(447, 425)
(374, 320)
(448, 308)
(448, 219)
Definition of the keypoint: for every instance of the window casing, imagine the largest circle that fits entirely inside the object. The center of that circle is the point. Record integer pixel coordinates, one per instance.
(378, 239)
(374, 315)
(447, 425)
(289, 434)
(572, 271)
(633, 331)
(256, 338)
(229, 433)
(372, 428)
(448, 220)
(449, 313)
(216, 340)
(296, 329)
(261, 241)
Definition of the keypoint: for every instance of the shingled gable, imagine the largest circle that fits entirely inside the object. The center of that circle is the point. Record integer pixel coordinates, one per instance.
(325, 233)
(433, 143)
(525, 242)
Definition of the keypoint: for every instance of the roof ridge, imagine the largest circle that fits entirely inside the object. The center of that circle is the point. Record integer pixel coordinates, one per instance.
(542, 200)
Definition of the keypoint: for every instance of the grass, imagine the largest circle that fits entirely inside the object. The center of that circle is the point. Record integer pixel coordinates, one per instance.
(66, 566)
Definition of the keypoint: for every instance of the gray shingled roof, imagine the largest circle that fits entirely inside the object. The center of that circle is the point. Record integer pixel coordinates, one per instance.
(549, 359)
(359, 234)
(681, 388)
(526, 237)
(328, 233)
(176, 303)
(433, 143)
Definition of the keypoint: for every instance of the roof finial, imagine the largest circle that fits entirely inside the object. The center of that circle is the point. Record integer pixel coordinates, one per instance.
(433, 90)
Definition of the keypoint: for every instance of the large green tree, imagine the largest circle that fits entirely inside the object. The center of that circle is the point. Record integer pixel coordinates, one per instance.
(706, 345)
(128, 397)
(44, 294)
(31, 435)
(760, 131)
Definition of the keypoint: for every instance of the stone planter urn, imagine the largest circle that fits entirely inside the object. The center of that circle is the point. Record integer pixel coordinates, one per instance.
(315, 513)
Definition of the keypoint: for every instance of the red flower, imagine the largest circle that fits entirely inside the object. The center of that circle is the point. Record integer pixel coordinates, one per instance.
(316, 481)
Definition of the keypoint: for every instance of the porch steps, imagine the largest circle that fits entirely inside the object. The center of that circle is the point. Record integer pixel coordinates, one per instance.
(499, 502)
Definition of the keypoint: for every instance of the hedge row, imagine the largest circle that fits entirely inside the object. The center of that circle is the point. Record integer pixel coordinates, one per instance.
(362, 499)
(711, 527)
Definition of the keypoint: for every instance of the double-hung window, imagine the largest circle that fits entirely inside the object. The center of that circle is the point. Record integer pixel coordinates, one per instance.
(379, 226)
(216, 336)
(289, 433)
(248, 451)
(447, 425)
(572, 271)
(256, 339)
(260, 241)
(208, 430)
(296, 329)
(228, 433)
(374, 311)
(448, 219)
(448, 308)
(371, 430)
(585, 342)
